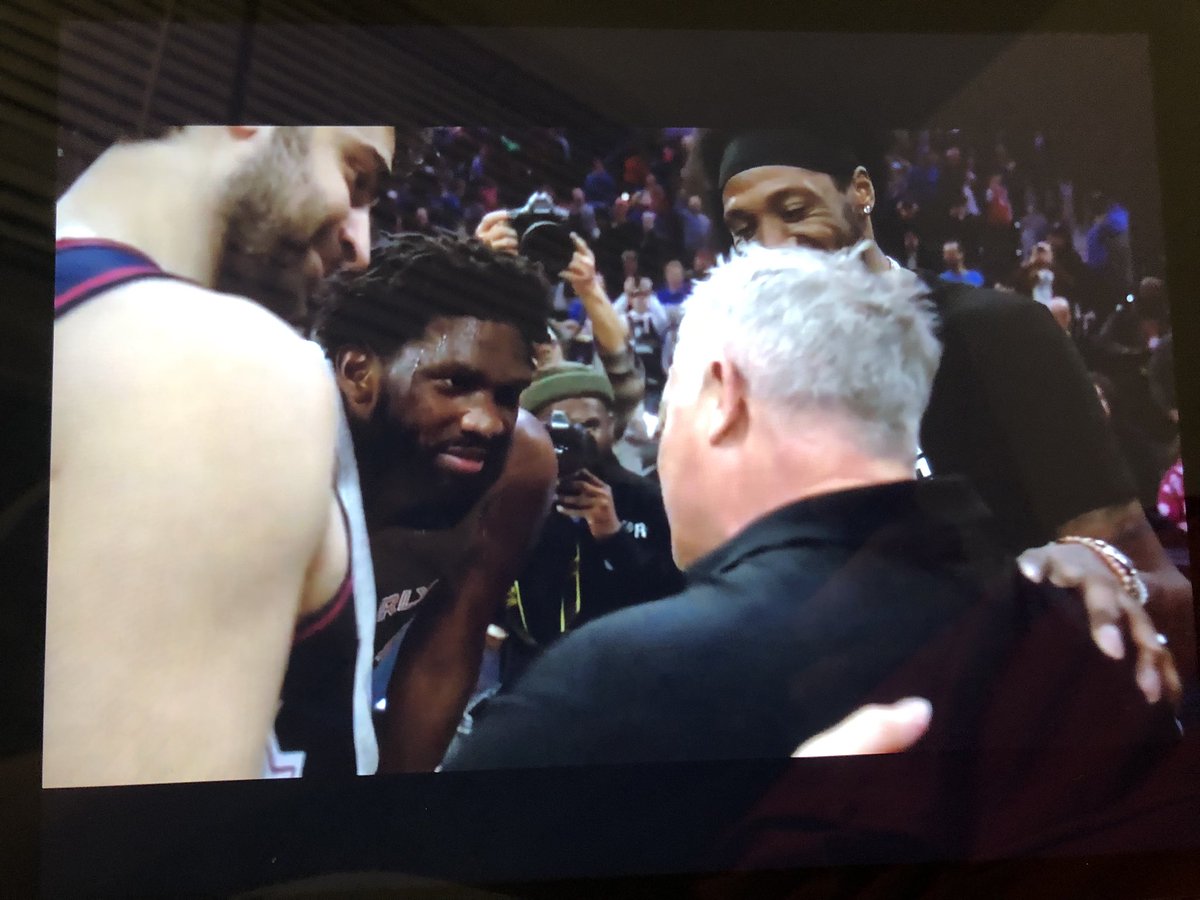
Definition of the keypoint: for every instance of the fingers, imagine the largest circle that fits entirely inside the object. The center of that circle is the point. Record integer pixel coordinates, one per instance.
(492, 218)
(495, 231)
(505, 244)
(1172, 684)
(1106, 609)
(873, 729)
(583, 264)
(1153, 660)
(586, 495)
(1032, 564)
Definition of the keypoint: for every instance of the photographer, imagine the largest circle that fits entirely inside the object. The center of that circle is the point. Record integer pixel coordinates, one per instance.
(538, 231)
(608, 547)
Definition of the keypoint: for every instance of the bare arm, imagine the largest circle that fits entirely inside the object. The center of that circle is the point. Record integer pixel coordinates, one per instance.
(438, 662)
(608, 326)
(192, 454)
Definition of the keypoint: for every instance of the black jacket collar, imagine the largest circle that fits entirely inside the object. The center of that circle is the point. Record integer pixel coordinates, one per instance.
(847, 517)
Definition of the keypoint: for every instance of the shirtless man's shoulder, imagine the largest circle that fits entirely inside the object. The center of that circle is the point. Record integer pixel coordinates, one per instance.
(197, 427)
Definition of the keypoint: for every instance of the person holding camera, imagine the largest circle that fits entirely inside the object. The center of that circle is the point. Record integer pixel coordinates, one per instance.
(538, 231)
(608, 547)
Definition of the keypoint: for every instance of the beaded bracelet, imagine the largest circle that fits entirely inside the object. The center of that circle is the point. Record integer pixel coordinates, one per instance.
(1118, 563)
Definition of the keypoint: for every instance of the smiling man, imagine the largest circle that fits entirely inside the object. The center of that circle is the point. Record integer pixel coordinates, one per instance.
(432, 347)
(1012, 408)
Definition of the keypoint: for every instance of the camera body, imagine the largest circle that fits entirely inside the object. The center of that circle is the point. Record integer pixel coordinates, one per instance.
(574, 446)
(542, 233)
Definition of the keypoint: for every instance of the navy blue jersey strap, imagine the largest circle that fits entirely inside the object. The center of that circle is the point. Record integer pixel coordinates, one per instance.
(84, 268)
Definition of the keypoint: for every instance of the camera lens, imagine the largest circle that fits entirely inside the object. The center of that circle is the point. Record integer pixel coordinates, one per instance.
(550, 244)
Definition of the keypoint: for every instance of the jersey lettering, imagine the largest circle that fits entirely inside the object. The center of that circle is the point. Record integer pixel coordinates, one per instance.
(637, 529)
(405, 600)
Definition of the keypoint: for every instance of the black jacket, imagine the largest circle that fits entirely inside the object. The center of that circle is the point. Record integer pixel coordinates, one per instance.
(848, 598)
(860, 596)
(632, 566)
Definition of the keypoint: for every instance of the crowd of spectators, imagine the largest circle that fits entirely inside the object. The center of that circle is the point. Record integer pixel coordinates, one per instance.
(954, 205)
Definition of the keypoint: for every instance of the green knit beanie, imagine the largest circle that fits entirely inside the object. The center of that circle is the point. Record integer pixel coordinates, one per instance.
(566, 380)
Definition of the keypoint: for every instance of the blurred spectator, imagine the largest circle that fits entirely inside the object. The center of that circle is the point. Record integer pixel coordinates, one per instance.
(956, 271)
(635, 171)
(1072, 278)
(999, 209)
(960, 226)
(607, 546)
(1109, 254)
(1145, 431)
(1139, 323)
(451, 204)
(697, 227)
(653, 251)
(676, 288)
(481, 164)
(916, 256)
(623, 236)
(599, 188)
(1037, 278)
(1034, 227)
(580, 217)
(923, 180)
(631, 266)
(702, 262)
(641, 309)
(648, 325)
(654, 197)
(998, 253)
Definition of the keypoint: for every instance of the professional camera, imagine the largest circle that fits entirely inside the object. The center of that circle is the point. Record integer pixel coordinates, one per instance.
(542, 233)
(573, 445)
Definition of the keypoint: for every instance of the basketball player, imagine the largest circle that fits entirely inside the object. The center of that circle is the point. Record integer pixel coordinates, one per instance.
(432, 346)
(198, 548)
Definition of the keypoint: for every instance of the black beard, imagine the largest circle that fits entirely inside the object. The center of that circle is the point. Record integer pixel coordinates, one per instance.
(401, 486)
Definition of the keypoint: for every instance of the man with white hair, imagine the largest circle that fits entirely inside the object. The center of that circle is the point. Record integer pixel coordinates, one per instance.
(822, 575)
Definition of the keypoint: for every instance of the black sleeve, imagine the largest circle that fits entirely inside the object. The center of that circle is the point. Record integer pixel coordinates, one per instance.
(641, 569)
(548, 718)
(1014, 409)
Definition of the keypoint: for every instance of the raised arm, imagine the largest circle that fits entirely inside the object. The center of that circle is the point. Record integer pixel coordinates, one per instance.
(192, 459)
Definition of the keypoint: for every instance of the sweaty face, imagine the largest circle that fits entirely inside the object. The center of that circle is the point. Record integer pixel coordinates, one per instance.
(449, 404)
(588, 412)
(781, 206)
(298, 210)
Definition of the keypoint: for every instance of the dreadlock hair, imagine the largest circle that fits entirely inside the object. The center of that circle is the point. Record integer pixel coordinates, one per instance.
(415, 278)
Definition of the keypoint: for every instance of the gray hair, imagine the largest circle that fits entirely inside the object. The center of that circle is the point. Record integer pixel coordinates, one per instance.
(811, 329)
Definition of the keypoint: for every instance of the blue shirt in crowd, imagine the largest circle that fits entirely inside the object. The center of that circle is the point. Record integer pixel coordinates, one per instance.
(968, 276)
(666, 295)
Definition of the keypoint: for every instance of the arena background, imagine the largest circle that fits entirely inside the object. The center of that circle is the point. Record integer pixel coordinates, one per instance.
(128, 65)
